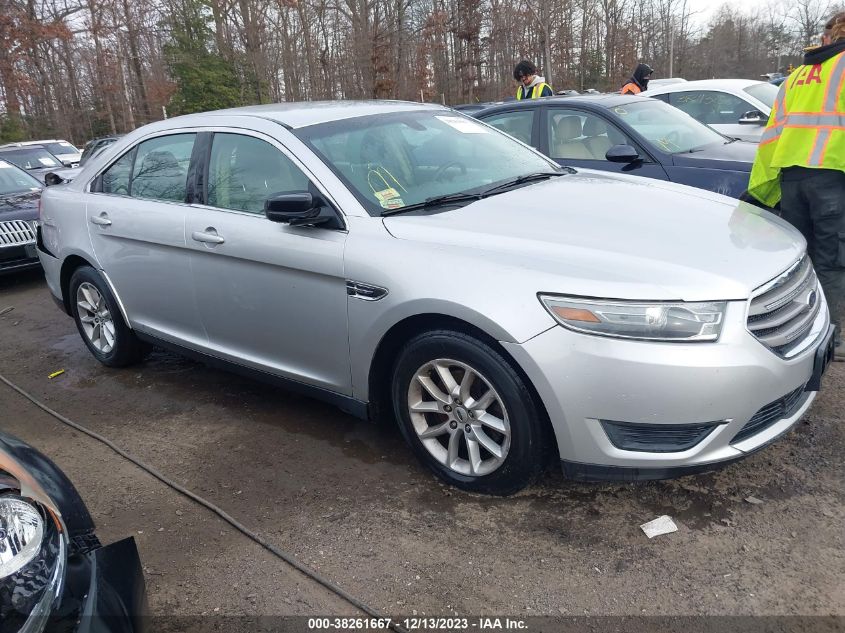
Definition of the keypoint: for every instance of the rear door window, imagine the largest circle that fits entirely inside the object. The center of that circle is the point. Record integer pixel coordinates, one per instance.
(115, 180)
(161, 165)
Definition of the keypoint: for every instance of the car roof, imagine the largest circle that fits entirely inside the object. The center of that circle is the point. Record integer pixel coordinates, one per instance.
(43, 140)
(302, 114)
(606, 100)
(11, 148)
(712, 84)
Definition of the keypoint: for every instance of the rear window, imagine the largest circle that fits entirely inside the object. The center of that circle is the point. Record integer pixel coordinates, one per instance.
(62, 147)
(764, 92)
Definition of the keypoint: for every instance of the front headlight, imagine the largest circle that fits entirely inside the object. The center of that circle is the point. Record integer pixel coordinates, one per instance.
(21, 534)
(645, 320)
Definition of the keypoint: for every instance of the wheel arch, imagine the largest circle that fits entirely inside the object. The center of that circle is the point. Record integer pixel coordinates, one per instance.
(388, 348)
(70, 266)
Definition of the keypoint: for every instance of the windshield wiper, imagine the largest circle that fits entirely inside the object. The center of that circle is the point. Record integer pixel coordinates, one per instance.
(540, 175)
(436, 201)
(457, 198)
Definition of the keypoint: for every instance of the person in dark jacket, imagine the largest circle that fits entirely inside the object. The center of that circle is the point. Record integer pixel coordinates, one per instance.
(638, 81)
(533, 85)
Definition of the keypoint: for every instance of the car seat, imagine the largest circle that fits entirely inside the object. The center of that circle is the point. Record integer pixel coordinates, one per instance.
(565, 130)
(598, 138)
(256, 176)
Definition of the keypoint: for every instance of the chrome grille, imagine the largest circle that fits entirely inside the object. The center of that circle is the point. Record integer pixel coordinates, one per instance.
(782, 312)
(15, 233)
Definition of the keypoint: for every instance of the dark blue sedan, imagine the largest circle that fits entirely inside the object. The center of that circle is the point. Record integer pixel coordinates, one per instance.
(628, 134)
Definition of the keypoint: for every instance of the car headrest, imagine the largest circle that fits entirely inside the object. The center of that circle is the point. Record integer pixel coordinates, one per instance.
(159, 164)
(568, 128)
(594, 126)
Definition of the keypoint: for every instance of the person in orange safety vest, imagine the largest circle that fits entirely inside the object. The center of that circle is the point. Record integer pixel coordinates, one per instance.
(801, 162)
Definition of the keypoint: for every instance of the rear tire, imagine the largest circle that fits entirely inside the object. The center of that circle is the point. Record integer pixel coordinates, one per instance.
(100, 322)
(467, 413)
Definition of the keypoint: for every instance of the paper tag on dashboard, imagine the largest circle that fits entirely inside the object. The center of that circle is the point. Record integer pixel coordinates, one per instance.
(393, 203)
(462, 125)
(386, 194)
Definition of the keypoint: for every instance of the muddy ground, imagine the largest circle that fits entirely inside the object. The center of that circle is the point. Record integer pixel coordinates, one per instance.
(347, 498)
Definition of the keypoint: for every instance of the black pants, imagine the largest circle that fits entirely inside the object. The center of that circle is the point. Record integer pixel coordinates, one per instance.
(813, 201)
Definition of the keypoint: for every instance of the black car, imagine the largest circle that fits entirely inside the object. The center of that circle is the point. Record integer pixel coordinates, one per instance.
(628, 134)
(19, 194)
(35, 159)
(55, 576)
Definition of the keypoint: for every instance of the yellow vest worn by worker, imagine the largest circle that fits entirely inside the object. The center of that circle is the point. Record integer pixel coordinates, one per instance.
(536, 91)
(806, 127)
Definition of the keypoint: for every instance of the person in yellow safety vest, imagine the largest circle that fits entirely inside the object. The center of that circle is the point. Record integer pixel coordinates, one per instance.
(800, 162)
(639, 80)
(533, 85)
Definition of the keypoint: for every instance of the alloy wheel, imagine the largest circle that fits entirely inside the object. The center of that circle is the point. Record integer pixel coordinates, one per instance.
(459, 417)
(97, 323)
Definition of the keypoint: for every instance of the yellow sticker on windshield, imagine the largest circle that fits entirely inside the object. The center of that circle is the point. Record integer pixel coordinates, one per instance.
(386, 194)
(393, 203)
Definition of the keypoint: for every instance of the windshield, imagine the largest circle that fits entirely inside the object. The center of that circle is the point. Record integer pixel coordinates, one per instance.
(13, 180)
(31, 158)
(764, 92)
(391, 161)
(670, 129)
(62, 147)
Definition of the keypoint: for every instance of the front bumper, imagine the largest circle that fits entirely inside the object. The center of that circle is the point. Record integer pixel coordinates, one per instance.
(585, 379)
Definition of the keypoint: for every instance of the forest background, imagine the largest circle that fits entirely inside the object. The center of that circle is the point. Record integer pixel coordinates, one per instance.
(78, 69)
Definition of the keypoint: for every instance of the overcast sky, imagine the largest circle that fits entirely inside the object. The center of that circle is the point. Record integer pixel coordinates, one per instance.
(705, 8)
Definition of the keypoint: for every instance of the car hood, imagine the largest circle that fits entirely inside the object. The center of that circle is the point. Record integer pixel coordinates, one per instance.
(594, 234)
(23, 206)
(736, 156)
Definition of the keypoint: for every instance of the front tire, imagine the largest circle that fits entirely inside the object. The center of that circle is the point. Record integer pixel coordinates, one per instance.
(467, 414)
(100, 322)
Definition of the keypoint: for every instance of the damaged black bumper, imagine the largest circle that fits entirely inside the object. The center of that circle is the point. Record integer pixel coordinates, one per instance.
(55, 576)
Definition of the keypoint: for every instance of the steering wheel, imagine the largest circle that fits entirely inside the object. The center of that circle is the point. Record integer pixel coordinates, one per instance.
(672, 138)
(438, 175)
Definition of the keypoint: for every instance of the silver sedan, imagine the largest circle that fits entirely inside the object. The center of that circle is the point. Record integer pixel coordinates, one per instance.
(403, 261)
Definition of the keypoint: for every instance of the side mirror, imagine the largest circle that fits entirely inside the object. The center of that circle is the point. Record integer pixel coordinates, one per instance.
(622, 154)
(299, 209)
(52, 178)
(752, 117)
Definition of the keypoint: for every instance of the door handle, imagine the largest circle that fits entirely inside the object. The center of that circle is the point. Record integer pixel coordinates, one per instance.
(101, 220)
(207, 238)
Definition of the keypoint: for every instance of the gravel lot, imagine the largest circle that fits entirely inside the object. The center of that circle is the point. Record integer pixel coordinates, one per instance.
(347, 498)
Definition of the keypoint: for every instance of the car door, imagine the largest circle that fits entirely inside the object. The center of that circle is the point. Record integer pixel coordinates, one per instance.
(580, 138)
(136, 221)
(271, 296)
(720, 110)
